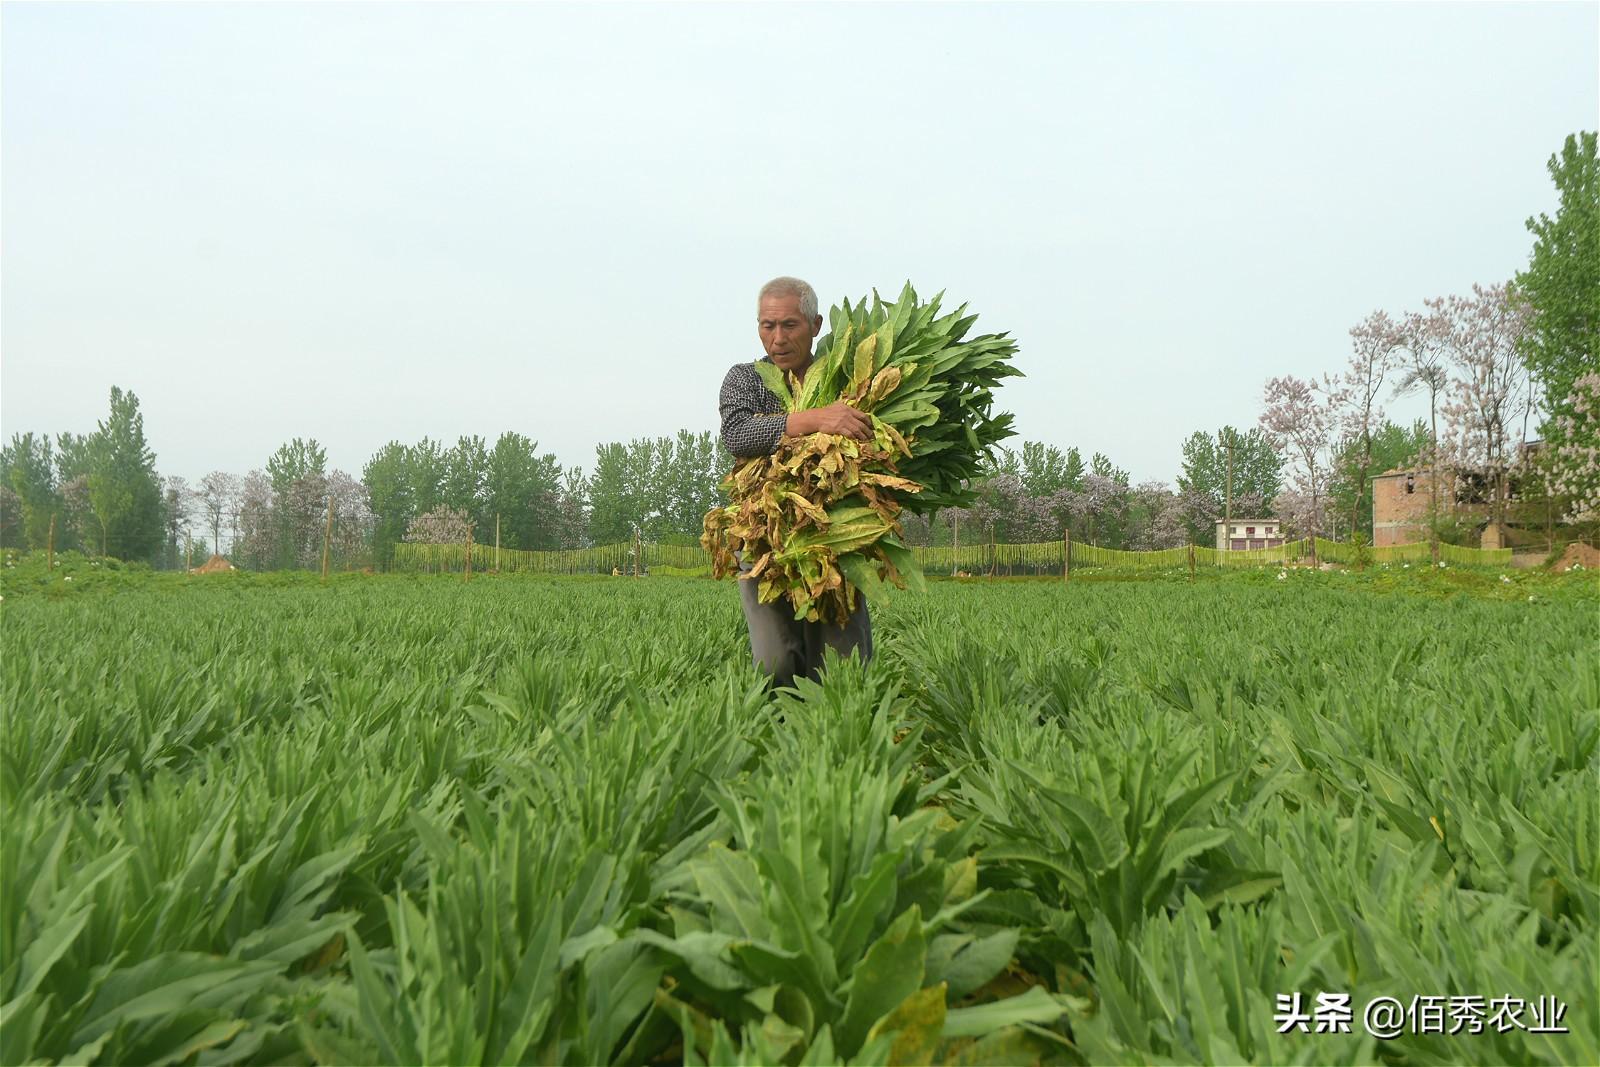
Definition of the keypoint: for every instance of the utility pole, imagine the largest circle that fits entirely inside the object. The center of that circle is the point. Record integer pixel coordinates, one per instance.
(497, 543)
(1227, 500)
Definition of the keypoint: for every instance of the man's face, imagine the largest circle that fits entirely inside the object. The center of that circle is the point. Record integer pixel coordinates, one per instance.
(786, 334)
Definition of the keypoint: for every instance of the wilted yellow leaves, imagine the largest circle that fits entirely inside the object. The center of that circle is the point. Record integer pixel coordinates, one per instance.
(795, 512)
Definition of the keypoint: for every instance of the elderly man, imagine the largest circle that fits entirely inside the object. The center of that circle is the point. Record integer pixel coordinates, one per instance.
(753, 424)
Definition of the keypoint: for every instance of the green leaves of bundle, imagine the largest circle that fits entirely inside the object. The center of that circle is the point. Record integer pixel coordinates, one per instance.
(818, 519)
(931, 387)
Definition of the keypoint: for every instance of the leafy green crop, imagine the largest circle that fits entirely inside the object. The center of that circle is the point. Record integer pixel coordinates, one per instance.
(548, 820)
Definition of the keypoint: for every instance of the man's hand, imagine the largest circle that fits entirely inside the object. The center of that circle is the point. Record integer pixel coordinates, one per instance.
(838, 417)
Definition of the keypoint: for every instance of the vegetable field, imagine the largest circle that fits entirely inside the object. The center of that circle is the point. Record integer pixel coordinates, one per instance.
(558, 820)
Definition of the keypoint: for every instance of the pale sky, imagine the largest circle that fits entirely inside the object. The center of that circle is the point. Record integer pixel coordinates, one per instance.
(372, 222)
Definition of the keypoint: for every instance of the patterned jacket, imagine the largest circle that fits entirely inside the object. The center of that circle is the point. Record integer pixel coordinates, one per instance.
(753, 418)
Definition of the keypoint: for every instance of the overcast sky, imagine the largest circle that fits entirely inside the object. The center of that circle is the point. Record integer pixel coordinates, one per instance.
(373, 222)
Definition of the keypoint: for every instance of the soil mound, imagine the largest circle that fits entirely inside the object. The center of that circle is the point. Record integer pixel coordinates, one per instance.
(1586, 556)
(214, 565)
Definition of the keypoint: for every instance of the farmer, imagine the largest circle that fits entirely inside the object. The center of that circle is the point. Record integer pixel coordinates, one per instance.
(753, 424)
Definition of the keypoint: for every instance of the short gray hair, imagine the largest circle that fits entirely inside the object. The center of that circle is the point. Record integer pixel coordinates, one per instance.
(787, 286)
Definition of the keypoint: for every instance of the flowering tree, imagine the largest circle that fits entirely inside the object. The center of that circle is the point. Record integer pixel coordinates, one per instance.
(1156, 517)
(572, 509)
(11, 534)
(1299, 425)
(995, 516)
(1169, 528)
(1490, 398)
(1353, 394)
(1037, 494)
(353, 520)
(255, 537)
(1006, 513)
(1099, 508)
(218, 493)
(302, 512)
(1424, 345)
(443, 525)
(79, 512)
(1573, 458)
(178, 501)
(1301, 510)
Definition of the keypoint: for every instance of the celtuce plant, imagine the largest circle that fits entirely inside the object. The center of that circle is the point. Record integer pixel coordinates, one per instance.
(402, 819)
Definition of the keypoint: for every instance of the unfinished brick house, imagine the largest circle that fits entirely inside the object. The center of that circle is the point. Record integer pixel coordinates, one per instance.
(1400, 502)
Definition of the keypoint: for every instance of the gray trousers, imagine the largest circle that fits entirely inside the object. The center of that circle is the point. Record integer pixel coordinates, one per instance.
(787, 648)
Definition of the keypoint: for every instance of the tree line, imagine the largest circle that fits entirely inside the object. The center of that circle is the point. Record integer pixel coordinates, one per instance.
(101, 493)
(1038, 491)
(659, 487)
(105, 496)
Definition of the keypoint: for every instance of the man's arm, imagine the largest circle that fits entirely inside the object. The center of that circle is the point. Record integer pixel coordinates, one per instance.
(747, 431)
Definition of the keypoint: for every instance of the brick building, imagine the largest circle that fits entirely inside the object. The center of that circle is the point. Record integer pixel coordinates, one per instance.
(1400, 502)
(1249, 533)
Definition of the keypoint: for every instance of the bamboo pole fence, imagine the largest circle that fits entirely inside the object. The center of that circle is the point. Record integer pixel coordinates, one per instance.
(1066, 557)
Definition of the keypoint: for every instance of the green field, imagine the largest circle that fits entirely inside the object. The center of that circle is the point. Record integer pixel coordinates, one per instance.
(416, 820)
